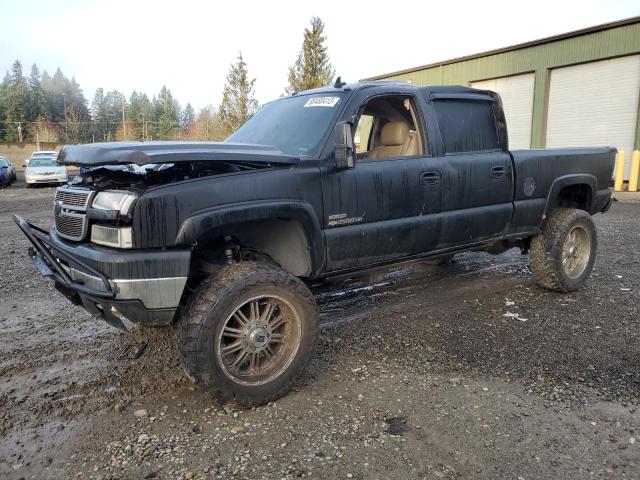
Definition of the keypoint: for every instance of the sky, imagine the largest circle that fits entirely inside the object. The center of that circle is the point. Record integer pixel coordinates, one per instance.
(189, 45)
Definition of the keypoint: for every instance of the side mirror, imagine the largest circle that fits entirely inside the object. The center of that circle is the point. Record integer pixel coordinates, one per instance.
(24, 165)
(344, 149)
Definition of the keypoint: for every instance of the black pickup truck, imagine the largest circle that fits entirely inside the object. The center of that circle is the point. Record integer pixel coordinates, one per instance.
(223, 238)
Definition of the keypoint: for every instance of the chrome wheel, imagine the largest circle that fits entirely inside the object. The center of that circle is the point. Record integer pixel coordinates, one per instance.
(259, 340)
(576, 251)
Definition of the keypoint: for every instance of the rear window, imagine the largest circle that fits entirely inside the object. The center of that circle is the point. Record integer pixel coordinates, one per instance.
(466, 126)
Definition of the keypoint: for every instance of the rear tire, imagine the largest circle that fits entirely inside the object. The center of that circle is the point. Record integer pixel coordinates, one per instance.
(562, 256)
(248, 333)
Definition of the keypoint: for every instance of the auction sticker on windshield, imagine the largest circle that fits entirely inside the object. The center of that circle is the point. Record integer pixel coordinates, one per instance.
(322, 102)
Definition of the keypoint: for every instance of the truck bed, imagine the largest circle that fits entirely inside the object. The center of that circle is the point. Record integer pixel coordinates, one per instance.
(541, 175)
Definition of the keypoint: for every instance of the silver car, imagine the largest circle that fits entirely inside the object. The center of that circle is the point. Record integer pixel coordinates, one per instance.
(45, 169)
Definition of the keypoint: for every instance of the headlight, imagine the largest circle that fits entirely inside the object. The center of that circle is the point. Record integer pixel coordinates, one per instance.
(118, 237)
(108, 200)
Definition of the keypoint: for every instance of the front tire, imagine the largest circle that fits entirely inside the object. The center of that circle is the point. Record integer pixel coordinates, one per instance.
(562, 256)
(248, 333)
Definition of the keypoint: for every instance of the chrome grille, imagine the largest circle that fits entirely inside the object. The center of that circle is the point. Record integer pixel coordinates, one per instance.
(69, 212)
(71, 226)
(72, 198)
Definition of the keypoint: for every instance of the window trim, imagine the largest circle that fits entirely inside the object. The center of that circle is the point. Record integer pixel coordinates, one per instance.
(472, 99)
(423, 134)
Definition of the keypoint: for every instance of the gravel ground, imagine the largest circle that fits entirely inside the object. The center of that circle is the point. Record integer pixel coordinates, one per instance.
(467, 370)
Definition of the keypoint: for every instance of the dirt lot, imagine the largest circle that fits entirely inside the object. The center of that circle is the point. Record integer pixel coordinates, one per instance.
(422, 371)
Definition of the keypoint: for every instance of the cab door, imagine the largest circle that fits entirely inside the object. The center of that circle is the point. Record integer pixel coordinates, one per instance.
(477, 171)
(381, 210)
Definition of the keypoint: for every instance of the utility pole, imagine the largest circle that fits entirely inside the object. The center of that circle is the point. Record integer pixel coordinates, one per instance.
(124, 123)
(64, 102)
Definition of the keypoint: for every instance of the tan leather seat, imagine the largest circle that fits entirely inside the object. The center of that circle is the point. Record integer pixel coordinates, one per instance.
(396, 140)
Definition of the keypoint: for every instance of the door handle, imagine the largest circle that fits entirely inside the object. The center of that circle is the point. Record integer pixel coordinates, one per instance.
(430, 178)
(498, 172)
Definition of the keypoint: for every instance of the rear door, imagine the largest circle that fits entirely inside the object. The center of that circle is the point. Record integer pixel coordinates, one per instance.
(477, 170)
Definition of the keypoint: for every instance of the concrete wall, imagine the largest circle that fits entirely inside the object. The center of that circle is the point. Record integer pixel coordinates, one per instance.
(19, 152)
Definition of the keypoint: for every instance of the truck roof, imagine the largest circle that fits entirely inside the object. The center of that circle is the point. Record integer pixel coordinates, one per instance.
(429, 90)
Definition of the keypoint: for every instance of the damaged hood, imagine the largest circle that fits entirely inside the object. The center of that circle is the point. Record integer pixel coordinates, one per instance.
(142, 153)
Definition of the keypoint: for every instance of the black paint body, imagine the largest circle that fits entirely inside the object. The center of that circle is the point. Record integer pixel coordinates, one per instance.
(392, 209)
(405, 207)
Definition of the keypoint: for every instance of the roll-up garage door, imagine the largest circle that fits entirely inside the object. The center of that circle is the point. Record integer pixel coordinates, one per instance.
(595, 104)
(517, 99)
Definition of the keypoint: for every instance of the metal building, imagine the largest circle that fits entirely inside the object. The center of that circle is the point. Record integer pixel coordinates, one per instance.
(580, 88)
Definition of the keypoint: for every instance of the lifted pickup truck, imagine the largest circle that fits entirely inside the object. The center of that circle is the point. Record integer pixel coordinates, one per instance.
(222, 238)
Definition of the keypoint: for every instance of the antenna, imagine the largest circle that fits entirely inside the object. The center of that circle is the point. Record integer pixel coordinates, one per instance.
(339, 83)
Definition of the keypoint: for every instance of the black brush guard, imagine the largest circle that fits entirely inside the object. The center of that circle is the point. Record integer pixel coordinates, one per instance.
(45, 257)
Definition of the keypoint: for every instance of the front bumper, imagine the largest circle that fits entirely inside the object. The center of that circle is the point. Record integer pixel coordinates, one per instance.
(144, 286)
(32, 179)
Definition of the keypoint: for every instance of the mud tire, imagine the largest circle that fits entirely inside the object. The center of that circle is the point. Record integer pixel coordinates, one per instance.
(214, 301)
(545, 255)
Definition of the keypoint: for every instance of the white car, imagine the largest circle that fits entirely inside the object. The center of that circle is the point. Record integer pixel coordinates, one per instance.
(40, 154)
(45, 169)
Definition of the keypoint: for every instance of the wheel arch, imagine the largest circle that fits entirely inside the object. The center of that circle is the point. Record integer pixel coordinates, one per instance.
(289, 232)
(575, 190)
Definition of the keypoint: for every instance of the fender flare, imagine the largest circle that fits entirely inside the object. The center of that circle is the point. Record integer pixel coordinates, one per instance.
(198, 224)
(568, 180)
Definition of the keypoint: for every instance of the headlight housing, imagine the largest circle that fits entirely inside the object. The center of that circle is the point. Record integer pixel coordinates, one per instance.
(114, 200)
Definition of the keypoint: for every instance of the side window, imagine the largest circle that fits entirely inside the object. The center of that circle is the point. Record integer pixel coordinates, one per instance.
(466, 126)
(363, 133)
(388, 128)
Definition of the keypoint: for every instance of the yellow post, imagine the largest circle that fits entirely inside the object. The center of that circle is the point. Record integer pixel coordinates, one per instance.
(635, 171)
(619, 175)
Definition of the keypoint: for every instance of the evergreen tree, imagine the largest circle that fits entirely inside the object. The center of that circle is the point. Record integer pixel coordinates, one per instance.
(39, 107)
(56, 96)
(188, 116)
(3, 94)
(100, 115)
(238, 103)
(166, 113)
(312, 69)
(141, 114)
(16, 105)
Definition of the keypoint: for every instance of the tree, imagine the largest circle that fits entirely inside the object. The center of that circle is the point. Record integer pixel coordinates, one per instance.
(75, 127)
(141, 113)
(166, 114)
(43, 131)
(238, 103)
(100, 115)
(16, 104)
(188, 116)
(205, 127)
(130, 133)
(312, 69)
(38, 104)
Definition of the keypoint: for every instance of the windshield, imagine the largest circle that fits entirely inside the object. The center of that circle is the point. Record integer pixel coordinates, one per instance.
(43, 162)
(294, 124)
(3, 162)
(42, 154)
